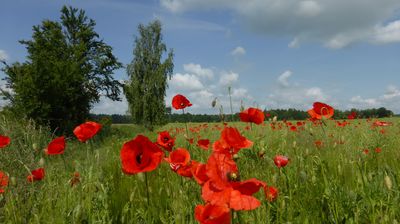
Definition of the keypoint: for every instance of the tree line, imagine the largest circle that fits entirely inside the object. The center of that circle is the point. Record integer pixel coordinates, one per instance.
(281, 114)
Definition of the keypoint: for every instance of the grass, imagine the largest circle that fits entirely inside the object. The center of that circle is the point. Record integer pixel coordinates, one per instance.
(335, 183)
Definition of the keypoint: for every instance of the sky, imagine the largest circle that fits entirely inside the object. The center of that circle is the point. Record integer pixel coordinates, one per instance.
(272, 53)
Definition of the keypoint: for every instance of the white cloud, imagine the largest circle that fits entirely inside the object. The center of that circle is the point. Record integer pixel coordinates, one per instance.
(335, 24)
(287, 95)
(387, 34)
(3, 55)
(228, 78)
(309, 8)
(283, 78)
(238, 51)
(198, 70)
(389, 100)
(107, 106)
(186, 82)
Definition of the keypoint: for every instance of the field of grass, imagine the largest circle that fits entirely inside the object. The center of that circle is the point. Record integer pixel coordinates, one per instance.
(338, 181)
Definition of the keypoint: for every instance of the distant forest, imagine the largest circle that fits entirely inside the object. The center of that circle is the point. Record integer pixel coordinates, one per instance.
(282, 114)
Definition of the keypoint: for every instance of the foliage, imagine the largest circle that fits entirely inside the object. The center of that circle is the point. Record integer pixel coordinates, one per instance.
(145, 91)
(67, 68)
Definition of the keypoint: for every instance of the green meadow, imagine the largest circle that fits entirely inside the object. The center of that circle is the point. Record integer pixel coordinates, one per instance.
(337, 182)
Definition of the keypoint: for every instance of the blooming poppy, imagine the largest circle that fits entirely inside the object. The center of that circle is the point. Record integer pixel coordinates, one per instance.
(4, 141)
(352, 115)
(381, 123)
(252, 115)
(203, 143)
(87, 130)
(165, 140)
(140, 155)
(3, 181)
(293, 128)
(56, 147)
(271, 193)
(378, 150)
(199, 172)
(212, 214)
(281, 161)
(231, 141)
(186, 170)
(224, 186)
(321, 111)
(180, 102)
(177, 158)
(36, 175)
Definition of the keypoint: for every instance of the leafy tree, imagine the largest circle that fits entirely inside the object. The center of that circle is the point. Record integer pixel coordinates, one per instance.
(66, 70)
(145, 91)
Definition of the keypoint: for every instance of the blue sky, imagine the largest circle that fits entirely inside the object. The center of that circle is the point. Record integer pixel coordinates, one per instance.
(274, 53)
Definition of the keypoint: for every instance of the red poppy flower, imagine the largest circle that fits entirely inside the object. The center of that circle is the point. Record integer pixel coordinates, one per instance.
(381, 123)
(281, 161)
(177, 158)
(186, 170)
(199, 172)
(320, 111)
(56, 147)
(165, 141)
(231, 141)
(140, 155)
(223, 186)
(36, 175)
(212, 214)
(180, 102)
(4, 141)
(271, 193)
(252, 115)
(378, 150)
(3, 181)
(87, 130)
(352, 115)
(293, 128)
(203, 143)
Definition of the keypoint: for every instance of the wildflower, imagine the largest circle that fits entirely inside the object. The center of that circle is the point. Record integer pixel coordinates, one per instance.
(140, 155)
(87, 130)
(56, 147)
(180, 102)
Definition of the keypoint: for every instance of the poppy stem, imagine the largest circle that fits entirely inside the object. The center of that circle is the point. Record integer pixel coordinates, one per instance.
(65, 164)
(187, 129)
(147, 189)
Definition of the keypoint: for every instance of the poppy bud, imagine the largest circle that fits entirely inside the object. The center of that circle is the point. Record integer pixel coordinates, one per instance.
(261, 153)
(214, 102)
(235, 157)
(294, 144)
(13, 181)
(388, 182)
(35, 146)
(41, 162)
(274, 119)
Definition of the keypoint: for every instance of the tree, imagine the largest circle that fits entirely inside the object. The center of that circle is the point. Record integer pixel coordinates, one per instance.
(146, 89)
(67, 69)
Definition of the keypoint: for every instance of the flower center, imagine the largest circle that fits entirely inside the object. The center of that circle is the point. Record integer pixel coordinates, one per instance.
(139, 158)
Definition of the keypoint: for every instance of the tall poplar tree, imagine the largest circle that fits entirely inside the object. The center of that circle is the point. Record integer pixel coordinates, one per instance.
(148, 73)
(67, 68)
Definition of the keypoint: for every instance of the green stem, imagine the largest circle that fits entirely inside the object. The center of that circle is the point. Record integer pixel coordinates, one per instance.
(147, 189)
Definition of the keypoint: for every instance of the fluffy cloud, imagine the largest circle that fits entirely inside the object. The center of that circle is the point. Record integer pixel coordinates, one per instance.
(202, 88)
(335, 24)
(198, 70)
(228, 78)
(3, 55)
(283, 78)
(389, 99)
(288, 95)
(186, 82)
(238, 51)
(107, 106)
